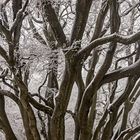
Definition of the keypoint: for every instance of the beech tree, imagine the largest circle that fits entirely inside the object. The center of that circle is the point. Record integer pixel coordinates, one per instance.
(100, 45)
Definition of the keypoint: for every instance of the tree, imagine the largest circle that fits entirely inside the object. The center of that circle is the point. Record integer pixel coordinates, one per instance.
(83, 48)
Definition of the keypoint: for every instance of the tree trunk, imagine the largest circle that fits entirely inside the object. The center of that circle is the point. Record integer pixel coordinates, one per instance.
(81, 88)
(9, 134)
(25, 119)
(62, 100)
(30, 116)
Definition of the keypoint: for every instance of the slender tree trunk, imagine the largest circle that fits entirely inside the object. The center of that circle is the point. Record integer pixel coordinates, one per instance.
(32, 121)
(62, 100)
(30, 116)
(9, 134)
(81, 88)
(25, 119)
(52, 83)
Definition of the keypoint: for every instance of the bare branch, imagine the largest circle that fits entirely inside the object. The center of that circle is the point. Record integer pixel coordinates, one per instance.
(125, 57)
(4, 54)
(35, 33)
(130, 9)
(132, 132)
(82, 11)
(49, 13)
(110, 38)
(10, 95)
(4, 73)
(122, 73)
(19, 16)
(40, 107)
(4, 29)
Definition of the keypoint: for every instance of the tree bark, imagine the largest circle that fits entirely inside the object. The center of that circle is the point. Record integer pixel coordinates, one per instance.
(9, 134)
(62, 100)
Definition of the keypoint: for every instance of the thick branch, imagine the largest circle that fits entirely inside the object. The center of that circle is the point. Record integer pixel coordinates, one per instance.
(35, 33)
(19, 16)
(49, 13)
(4, 73)
(4, 54)
(122, 73)
(132, 132)
(10, 95)
(4, 30)
(82, 11)
(110, 38)
(40, 107)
